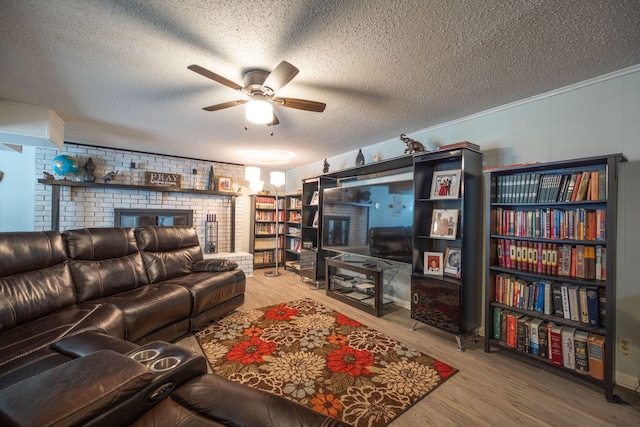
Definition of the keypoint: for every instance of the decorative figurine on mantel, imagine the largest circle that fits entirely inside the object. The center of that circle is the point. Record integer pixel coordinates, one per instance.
(89, 167)
(360, 158)
(47, 175)
(108, 177)
(413, 146)
(325, 167)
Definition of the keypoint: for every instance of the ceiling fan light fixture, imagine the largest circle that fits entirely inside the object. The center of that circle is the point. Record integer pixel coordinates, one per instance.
(259, 111)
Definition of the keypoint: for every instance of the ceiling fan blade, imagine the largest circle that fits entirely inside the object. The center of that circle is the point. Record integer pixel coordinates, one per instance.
(280, 76)
(301, 104)
(225, 105)
(215, 77)
(275, 121)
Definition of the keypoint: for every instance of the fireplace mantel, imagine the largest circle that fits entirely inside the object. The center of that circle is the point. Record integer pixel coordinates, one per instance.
(57, 183)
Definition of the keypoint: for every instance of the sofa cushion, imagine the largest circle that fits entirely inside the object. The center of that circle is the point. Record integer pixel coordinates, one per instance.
(168, 252)
(151, 307)
(23, 349)
(34, 277)
(104, 261)
(209, 290)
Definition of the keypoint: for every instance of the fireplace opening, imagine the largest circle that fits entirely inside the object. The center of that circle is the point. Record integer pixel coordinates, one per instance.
(131, 218)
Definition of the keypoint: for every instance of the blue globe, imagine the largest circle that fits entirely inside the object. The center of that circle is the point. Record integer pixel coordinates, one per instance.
(65, 165)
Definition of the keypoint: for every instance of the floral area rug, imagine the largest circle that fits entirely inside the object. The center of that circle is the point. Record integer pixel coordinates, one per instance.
(322, 359)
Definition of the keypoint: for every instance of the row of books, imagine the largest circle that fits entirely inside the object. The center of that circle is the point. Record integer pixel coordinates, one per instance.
(295, 203)
(581, 261)
(268, 228)
(294, 217)
(586, 304)
(294, 231)
(266, 243)
(295, 244)
(549, 188)
(265, 257)
(551, 223)
(269, 216)
(564, 346)
(268, 203)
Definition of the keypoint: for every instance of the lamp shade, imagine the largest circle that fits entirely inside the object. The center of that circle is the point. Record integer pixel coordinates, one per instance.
(259, 111)
(276, 178)
(256, 185)
(252, 173)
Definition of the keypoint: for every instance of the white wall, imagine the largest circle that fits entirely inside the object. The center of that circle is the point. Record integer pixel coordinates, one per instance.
(17, 189)
(598, 117)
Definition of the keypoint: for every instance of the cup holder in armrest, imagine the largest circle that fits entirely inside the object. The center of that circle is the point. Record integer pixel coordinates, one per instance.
(165, 364)
(145, 355)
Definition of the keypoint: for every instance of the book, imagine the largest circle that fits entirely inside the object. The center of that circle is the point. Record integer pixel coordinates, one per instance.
(584, 305)
(503, 325)
(594, 186)
(590, 262)
(570, 187)
(566, 309)
(543, 342)
(602, 186)
(568, 349)
(581, 356)
(580, 270)
(584, 186)
(534, 337)
(461, 144)
(602, 306)
(555, 344)
(574, 303)
(576, 187)
(558, 306)
(522, 338)
(512, 329)
(595, 354)
(497, 320)
(593, 311)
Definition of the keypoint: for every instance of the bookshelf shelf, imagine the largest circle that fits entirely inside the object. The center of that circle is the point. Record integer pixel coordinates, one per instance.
(550, 272)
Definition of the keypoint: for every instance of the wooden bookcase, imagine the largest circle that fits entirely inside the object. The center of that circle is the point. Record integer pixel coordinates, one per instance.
(293, 232)
(263, 233)
(312, 260)
(540, 225)
(451, 299)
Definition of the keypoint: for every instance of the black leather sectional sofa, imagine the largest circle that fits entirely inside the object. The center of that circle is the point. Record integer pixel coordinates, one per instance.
(86, 320)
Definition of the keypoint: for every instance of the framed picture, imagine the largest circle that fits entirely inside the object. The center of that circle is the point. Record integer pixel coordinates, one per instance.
(445, 184)
(444, 223)
(433, 263)
(307, 245)
(314, 198)
(315, 219)
(397, 205)
(224, 183)
(453, 262)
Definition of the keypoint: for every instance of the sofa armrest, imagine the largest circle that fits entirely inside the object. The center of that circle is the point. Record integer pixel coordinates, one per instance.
(216, 398)
(213, 265)
(74, 392)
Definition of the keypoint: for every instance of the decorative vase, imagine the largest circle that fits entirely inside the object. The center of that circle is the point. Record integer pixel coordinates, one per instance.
(360, 158)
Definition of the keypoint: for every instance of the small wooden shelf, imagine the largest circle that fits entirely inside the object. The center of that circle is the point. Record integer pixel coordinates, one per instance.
(69, 183)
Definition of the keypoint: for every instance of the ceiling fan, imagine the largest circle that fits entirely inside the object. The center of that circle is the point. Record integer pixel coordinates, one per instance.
(261, 86)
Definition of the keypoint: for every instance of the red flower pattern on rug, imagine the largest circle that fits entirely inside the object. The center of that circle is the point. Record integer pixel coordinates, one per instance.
(322, 359)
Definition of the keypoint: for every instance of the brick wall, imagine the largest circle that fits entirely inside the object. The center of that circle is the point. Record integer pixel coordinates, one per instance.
(94, 207)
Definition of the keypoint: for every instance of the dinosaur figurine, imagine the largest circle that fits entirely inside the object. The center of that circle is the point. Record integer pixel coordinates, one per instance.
(109, 176)
(413, 146)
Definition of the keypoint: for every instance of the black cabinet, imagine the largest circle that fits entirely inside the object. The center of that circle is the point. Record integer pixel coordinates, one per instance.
(293, 232)
(551, 266)
(446, 279)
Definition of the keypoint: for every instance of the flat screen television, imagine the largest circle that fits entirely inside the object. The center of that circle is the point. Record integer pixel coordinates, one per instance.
(369, 219)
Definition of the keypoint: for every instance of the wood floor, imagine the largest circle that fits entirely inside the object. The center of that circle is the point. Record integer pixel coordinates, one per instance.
(490, 389)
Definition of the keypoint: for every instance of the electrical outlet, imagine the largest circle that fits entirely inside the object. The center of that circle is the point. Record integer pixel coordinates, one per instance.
(625, 346)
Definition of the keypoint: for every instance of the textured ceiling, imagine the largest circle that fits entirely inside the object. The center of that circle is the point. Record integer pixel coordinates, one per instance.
(116, 70)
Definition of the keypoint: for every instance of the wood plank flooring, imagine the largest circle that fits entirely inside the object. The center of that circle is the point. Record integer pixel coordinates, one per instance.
(491, 388)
